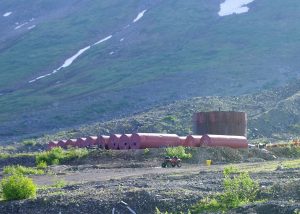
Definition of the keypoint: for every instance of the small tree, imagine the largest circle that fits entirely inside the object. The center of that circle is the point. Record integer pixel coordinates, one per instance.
(18, 187)
(239, 189)
(179, 152)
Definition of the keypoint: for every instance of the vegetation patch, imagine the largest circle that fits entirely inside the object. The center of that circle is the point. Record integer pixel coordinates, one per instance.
(58, 155)
(239, 189)
(146, 151)
(29, 142)
(288, 151)
(18, 169)
(178, 152)
(17, 187)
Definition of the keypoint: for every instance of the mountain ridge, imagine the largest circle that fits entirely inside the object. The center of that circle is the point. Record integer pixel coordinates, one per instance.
(175, 51)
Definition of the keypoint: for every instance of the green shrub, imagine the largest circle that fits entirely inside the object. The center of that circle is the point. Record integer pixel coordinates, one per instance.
(230, 170)
(4, 156)
(179, 152)
(239, 189)
(57, 155)
(76, 153)
(29, 142)
(208, 205)
(18, 169)
(42, 165)
(17, 187)
(50, 156)
(146, 151)
(59, 183)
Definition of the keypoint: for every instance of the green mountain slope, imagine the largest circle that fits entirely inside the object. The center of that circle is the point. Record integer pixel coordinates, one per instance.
(272, 114)
(175, 51)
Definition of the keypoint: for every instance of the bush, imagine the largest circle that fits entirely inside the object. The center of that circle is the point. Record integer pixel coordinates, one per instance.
(42, 165)
(58, 155)
(59, 183)
(230, 170)
(50, 156)
(17, 187)
(29, 142)
(239, 189)
(179, 152)
(18, 169)
(146, 151)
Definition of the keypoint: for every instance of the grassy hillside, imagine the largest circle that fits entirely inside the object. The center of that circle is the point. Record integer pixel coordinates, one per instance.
(178, 50)
(273, 115)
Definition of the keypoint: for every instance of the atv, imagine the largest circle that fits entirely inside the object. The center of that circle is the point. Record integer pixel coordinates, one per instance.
(171, 162)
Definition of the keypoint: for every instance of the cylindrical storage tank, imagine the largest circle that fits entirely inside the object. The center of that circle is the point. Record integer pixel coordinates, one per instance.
(62, 143)
(236, 142)
(220, 123)
(71, 143)
(52, 144)
(102, 141)
(153, 140)
(81, 142)
(91, 140)
(182, 140)
(113, 141)
(193, 141)
(124, 142)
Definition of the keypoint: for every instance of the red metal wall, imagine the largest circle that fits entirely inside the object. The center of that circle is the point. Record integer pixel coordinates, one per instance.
(235, 142)
(124, 142)
(153, 140)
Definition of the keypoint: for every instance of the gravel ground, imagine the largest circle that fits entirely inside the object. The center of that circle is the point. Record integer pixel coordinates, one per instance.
(97, 189)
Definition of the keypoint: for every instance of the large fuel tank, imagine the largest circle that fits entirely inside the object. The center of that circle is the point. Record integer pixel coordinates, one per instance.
(236, 142)
(220, 123)
(113, 141)
(153, 140)
(124, 142)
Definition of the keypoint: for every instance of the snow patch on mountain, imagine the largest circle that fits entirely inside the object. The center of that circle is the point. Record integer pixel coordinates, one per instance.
(103, 40)
(21, 25)
(139, 16)
(7, 14)
(69, 61)
(229, 7)
(31, 27)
